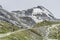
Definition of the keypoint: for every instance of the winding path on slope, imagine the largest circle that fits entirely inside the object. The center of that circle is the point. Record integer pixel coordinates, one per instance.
(9, 33)
(6, 34)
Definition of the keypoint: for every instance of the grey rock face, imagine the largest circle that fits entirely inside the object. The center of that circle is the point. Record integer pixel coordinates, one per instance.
(26, 18)
(0, 6)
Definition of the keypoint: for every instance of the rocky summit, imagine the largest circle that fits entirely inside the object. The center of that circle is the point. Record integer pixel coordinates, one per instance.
(26, 18)
(36, 23)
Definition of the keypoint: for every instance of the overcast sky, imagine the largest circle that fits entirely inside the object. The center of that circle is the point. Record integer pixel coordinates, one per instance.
(52, 5)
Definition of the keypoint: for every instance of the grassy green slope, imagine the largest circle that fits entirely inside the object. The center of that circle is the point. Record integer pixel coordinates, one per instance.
(23, 35)
(45, 23)
(7, 27)
(28, 34)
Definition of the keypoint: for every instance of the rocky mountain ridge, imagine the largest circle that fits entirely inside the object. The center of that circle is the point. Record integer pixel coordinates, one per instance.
(26, 18)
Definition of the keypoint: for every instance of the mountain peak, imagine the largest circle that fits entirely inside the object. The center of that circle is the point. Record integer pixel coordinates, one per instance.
(26, 17)
(39, 7)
